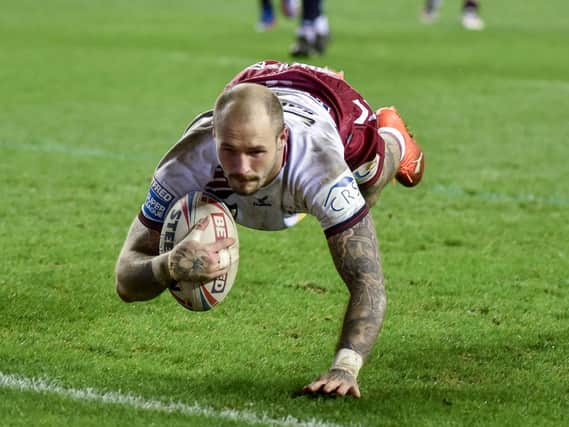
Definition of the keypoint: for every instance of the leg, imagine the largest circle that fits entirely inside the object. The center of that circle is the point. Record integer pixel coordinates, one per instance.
(313, 32)
(289, 8)
(470, 17)
(470, 4)
(390, 167)
(404, 159)
(430, 12)
(311, 9)
(432, 5)
(267, 19)
(322, 30)
(412, 163)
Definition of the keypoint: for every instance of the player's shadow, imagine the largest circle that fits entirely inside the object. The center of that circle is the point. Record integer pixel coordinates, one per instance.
(240, 387)
(433, 377)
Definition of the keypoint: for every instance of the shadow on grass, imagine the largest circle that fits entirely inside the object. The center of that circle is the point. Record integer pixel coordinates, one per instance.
(485, 380)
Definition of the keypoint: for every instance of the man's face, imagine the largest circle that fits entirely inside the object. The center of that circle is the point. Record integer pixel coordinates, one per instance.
(250, 152)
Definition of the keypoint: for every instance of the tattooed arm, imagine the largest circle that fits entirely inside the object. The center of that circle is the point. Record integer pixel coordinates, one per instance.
(356, 256)
(142, 274)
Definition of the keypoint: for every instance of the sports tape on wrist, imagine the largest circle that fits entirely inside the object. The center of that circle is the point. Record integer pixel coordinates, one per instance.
(349, 361)
(224, 258)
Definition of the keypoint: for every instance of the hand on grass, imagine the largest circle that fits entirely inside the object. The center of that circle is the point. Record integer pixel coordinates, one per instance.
(334, 382)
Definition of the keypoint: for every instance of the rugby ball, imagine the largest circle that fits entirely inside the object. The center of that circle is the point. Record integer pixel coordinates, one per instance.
(180, 220)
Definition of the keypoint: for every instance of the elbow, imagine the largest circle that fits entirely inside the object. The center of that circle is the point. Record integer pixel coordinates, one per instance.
(133, 285)
(123, 294)
(121, 286)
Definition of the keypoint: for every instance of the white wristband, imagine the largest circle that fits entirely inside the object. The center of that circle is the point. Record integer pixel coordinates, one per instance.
(349, 361)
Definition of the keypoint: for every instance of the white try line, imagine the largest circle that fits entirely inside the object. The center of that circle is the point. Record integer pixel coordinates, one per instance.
(36, 385)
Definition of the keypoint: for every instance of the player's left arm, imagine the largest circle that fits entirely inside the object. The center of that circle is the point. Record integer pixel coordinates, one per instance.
(356, 255)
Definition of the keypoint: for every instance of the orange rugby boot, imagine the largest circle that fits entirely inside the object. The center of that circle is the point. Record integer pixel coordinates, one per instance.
(413, 162)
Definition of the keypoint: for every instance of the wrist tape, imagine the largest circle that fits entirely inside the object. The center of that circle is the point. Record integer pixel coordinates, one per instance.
(349, 361)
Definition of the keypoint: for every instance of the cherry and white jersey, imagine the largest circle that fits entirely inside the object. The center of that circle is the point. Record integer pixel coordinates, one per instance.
(355, 120)
(314, 179)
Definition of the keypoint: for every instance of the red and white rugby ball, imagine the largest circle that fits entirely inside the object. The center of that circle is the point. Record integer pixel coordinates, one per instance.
(180, 219)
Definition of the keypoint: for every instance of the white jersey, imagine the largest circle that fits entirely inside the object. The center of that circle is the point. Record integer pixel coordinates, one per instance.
(314, 178)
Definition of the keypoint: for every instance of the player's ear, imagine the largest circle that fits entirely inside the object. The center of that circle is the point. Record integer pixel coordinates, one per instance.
(282, 138)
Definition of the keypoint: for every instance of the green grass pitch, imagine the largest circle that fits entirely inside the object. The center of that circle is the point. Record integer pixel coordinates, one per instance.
(476, 258)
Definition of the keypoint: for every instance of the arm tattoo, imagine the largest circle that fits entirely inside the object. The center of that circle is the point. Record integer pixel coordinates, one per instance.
(356, 256)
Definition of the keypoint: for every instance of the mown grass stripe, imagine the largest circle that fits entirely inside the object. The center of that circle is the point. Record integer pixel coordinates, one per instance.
(490, 196)
(448, 191)
(57, 148)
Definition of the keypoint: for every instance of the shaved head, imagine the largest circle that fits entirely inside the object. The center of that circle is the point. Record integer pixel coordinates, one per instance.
(247, 102)
(250, 136)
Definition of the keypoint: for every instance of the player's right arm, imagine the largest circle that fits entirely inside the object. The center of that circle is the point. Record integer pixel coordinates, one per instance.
(142, 273)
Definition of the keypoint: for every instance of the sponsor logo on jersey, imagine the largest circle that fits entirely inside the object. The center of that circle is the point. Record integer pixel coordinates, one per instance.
(262, 201)
(367, 171)
(343, 195)
(157, 202)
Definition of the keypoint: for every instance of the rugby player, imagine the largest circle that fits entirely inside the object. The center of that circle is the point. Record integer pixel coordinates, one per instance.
(470, 18)
(313, 32)
(283, 140)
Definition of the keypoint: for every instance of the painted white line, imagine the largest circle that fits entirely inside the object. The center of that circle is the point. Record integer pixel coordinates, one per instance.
(37, 385)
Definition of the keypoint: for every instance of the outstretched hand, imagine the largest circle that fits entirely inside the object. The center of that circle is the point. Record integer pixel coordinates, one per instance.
(334, 382)
(193, 261)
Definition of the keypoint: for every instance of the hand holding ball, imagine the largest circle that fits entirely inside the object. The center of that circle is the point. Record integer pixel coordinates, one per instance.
(201, 258)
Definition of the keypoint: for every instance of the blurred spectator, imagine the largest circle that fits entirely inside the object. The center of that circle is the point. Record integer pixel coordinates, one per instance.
(267, 20)
(313, 31)
(470, 17)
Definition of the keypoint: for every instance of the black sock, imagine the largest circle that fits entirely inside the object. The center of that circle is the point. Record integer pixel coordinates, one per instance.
(432, 6)
(311, 9)
(266, 4)
(470, 6)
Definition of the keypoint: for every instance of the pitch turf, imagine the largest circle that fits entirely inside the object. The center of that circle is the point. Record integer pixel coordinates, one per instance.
(476, 258)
